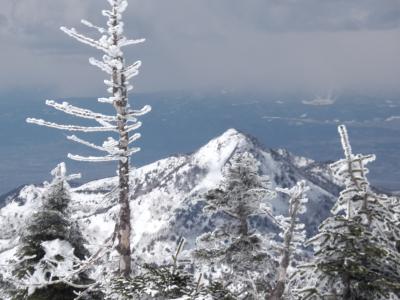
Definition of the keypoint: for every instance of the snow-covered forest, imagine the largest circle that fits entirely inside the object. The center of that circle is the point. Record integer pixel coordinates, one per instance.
(233, 220)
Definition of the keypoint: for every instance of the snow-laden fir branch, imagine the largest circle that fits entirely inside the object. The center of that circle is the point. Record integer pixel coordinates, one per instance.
(137, 113)
(128, 42)
(104, 123)
(41, 122)
(84, 39)
(134, 137)
(90, 25)
(109, 100)
(132, 70)
(91, 145)
(101, 65)
(79, 112)
(107, 158)
(113, 62)
(133, 127)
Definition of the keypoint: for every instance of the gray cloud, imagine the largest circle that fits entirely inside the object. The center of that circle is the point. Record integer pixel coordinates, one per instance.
(3, 22)
(266, 45)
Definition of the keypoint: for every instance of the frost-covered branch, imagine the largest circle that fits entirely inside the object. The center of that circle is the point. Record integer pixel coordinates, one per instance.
(41, 122)
(110, 145)
(84, 39)
(134, 138)
(109, 100)
(292, 233)
(132, 70)
(79, 112)
(107, 158)
(352, 171)
(90, 25)
(127, 42)
(91, 145)
(101, 65)
(133, 127)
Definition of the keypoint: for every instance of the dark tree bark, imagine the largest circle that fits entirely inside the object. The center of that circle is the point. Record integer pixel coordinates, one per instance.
(124, 219)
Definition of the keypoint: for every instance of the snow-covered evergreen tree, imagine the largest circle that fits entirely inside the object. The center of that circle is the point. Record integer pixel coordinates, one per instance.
(111, 43)
(173, 280)
(51, 247)
(292, 233)
(236, 251)
(355, 250)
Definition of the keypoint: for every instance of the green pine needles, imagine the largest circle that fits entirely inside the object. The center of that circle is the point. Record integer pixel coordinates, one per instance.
(50, 246)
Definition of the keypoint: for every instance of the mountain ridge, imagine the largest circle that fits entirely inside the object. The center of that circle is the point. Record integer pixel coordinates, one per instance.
(166, 200)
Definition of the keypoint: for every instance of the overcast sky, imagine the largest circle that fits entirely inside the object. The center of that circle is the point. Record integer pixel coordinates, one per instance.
(266, 45)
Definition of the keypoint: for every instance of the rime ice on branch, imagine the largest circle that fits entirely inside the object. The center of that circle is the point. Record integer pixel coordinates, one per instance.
(124, 121)
(292, 233)
(352, 171)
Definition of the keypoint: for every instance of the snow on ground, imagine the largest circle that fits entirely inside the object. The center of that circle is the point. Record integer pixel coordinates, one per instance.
(166, 197)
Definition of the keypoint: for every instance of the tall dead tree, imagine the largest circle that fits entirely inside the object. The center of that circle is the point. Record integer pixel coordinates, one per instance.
(124, 121)
(292, 233)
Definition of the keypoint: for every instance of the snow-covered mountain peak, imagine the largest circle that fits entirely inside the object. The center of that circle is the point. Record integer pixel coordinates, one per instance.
(220, 149)
(212, 157)
(167, 196)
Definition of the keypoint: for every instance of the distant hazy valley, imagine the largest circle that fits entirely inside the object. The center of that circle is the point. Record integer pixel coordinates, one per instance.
(180, 123)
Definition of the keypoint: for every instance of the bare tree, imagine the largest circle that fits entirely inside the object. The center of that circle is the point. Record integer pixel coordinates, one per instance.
(292, 233)
(124, 121)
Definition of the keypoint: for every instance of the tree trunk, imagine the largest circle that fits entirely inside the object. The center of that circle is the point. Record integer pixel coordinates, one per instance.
(124, 220)
(124, 225)
(279, 289)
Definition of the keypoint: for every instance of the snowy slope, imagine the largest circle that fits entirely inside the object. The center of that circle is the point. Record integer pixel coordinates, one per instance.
(166, 198)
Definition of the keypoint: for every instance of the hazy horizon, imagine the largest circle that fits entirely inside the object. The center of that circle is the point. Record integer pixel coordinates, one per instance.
(310, 46)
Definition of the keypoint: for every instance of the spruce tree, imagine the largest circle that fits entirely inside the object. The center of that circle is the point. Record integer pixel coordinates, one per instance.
(50, 246)
(355, 249)
(238, 252)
